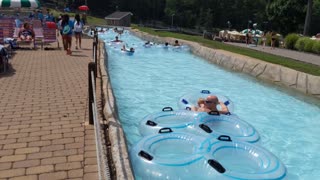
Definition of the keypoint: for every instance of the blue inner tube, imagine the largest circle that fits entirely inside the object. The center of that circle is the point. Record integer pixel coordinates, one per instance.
(180, 120)
(246, 161)
(170, 155)
(190, 99)
(147, 45)
(231, 125)
(129, 53)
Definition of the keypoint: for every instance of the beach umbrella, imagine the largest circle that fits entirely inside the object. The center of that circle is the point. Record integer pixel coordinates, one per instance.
(246, 31)
(257, 31)
(83, 8)
(19, 3)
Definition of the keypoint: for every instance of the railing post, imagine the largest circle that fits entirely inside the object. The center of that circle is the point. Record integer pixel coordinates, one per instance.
(93, 47)
(91, 67)
(96, 35)
(96, 51)
(95, 57)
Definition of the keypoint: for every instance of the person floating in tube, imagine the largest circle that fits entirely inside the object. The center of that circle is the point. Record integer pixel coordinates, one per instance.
(127, 50)
(176, 43)
(210, 104)
(117, 39)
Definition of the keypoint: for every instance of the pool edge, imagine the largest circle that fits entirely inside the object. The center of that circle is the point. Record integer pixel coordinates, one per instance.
(118, 146)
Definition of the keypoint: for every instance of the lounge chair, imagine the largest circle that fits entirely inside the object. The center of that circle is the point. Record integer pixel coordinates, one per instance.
(23, 42)
(49, 36)
(8, 27)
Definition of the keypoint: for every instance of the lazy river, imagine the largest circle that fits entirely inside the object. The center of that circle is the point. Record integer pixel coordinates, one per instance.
(156, 77)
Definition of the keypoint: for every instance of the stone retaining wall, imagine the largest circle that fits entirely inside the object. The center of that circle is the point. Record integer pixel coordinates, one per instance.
(303, 82)
(119, 149)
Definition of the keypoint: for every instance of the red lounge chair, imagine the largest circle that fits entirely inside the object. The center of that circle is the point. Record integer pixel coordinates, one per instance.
(49, 36)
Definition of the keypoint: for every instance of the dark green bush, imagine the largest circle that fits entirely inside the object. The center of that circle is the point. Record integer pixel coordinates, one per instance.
(301, 43)
(309, 44)
(291, 40)
(316, 47)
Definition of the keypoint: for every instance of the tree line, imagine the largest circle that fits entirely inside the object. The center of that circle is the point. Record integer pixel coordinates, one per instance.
(284, 16)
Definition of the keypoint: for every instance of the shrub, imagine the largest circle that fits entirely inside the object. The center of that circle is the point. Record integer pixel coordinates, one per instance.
(291, 40)
(316, 47)
(268, 40)
(309, 44)
(301, 43)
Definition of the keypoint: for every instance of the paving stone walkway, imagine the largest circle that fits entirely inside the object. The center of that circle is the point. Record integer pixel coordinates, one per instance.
(43, 110)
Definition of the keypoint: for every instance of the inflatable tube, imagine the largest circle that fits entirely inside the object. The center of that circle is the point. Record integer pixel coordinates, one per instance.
(180, 48)
(181, 120)
(214, 125)
(168, 156)
(130, 53)
(147, 45)
(243, 160)
(190, 99)
(187, 156)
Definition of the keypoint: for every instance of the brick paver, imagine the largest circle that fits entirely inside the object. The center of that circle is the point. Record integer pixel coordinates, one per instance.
(43, 110)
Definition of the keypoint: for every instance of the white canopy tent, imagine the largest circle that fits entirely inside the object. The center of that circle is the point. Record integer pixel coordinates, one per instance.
(19, 3)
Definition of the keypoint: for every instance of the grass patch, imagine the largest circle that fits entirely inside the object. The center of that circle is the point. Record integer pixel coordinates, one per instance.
(287, 62)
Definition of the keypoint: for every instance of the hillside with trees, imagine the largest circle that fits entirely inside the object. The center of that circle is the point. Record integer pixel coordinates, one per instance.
(280, 15)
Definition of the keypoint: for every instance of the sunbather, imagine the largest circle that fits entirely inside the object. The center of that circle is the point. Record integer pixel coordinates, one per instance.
(26, 33)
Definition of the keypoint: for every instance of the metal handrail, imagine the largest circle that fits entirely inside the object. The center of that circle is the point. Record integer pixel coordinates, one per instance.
(102, 161)
(103, 168)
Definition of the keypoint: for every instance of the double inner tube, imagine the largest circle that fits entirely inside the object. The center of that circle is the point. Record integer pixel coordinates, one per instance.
(187, 156)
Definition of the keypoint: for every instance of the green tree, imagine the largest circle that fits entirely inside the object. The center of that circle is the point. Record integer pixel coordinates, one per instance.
(286, 16)
(209, 20)
(315, 20)
(308, 17)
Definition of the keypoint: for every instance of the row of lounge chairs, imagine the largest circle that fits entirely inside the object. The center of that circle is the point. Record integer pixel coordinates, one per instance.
(43, 34)
(9, 34)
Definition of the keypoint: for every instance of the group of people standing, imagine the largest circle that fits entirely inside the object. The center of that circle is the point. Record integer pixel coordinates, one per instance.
(251, 36)
(67, 27)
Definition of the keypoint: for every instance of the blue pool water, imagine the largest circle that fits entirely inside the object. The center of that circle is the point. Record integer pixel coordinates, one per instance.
(155, 77)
